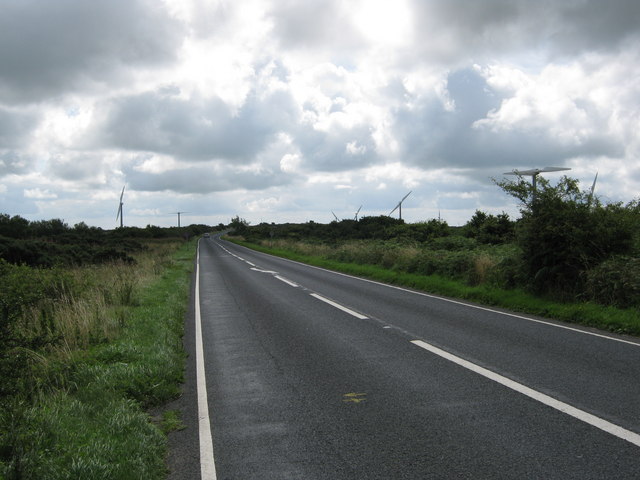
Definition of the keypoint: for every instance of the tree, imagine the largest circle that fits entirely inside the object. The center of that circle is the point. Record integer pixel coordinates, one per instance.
(491, 229)
(239, 225)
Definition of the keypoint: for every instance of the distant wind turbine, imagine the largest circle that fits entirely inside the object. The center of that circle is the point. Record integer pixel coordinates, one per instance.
(119, 214)
(399, 206)
(533, 173)
(356, 218)
(178, 213)
(335, 216)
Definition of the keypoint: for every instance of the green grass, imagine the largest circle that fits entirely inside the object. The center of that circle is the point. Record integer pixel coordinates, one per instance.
(171, 421)
(588, 314)
(92, 422)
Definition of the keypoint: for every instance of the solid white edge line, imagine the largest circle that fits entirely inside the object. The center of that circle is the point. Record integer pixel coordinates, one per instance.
(288, 282)
(458, 302)
(340, 307)
(207, 462)
(588, 418)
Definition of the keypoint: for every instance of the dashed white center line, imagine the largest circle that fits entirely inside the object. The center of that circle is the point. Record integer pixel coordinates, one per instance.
(588, 418)
(255, 269)
(340, 307)
(288, 282)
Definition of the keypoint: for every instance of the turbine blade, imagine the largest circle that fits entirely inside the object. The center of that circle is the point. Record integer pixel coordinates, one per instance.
(593, 187)
(533, 171)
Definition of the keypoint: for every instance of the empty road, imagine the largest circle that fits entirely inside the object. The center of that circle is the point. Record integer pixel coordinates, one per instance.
(312, 374)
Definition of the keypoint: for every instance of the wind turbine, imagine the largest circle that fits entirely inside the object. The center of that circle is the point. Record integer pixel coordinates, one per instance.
(399, 207)
(533, 173)
(335, 216)
(119, 214)
(358, 212)
(178, 213)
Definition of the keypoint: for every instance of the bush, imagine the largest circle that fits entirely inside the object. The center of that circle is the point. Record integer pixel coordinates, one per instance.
(615, 282)
(563, 233)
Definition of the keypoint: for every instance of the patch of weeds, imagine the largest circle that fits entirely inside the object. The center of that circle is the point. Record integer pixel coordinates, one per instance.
(171, 421)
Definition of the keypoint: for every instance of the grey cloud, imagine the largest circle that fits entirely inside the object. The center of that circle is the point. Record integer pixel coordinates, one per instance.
(595, 25)
(200, 129)
(330, 151)
(15, 131)
(15, 127)
(432, 136)
(317, 24)
(202, 180)
(458, 30)
(48, 48)
(12, 161)
(74, 166)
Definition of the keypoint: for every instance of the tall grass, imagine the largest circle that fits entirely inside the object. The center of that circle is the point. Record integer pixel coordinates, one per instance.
(108, 347)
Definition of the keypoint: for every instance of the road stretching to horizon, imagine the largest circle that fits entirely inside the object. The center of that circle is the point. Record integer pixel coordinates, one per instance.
(312, 374)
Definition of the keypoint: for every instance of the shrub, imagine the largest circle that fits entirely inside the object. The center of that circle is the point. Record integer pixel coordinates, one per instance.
(563, 233)
(615, 282)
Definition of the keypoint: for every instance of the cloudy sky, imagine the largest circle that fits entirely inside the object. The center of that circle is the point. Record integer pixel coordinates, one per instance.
(287, 110)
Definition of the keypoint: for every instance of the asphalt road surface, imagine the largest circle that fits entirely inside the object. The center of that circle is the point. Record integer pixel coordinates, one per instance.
(312, 374)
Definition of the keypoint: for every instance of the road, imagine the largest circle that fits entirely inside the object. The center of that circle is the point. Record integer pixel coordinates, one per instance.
(312, 374)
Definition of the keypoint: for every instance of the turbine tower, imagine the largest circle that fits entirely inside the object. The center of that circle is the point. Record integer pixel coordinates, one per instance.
(399, 206)
(178, 213)
(119, 214)
(335, 216)
(533, 173)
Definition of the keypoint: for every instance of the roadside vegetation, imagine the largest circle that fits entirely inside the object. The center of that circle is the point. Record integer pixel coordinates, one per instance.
(89, 342)
(568, 256)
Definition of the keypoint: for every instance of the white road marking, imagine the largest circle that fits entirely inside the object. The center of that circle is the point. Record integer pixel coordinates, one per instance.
(207, 462)
(588, 418)
(341, 307)
(288, 282)
(249, 263)
(255, 269)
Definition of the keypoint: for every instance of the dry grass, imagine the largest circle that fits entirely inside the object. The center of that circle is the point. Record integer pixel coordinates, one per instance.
(482, 266)
(91, 306)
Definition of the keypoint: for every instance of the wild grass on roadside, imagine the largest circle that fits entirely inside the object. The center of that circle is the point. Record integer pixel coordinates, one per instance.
(113, 349)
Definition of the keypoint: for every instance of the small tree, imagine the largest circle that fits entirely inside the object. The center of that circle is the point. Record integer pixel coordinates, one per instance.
(239, 225)
(491, 229)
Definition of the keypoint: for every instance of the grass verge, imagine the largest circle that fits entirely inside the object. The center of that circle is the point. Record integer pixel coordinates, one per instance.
(589, 314)
(90, 418)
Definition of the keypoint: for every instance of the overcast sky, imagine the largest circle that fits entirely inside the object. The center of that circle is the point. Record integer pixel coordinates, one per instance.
(287, 110)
